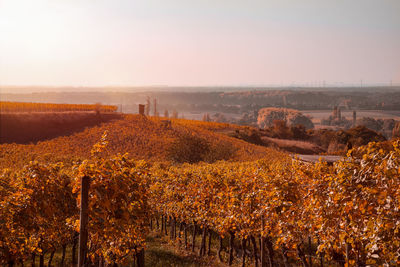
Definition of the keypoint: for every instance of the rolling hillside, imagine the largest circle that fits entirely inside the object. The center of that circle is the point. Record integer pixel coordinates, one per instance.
(142, 137)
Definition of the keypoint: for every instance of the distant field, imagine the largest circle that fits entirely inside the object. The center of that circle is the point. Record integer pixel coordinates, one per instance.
(199, 115)
(317, 115)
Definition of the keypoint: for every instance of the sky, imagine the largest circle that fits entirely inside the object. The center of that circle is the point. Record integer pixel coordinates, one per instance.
(199, 42)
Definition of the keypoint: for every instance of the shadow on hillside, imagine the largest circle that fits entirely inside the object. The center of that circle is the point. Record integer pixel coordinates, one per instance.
(24, 128)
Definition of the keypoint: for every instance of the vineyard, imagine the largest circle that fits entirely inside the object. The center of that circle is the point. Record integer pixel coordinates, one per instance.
(9, 107)
(275, 211)
(142, 137)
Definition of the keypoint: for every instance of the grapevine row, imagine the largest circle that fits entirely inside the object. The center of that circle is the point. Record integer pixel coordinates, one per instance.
(6, 106)
(350, 209)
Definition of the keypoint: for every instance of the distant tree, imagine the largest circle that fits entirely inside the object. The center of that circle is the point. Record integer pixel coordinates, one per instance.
(98, 108)
(294, 119)
(219, 117)
(370, 123)
(281, 130)
(174, 114)
(206, 117)
(248, 119)
(359, 136)
(299, 132)
(267, 116)
(155, 107)
(147, 108)
(388, 124)
(334, 141)
(166, 114)
(322, 137)
(396, 130)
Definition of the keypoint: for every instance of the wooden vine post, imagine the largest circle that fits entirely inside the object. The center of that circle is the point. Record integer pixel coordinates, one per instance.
(309, 251)
(83, 231)
(262, 247)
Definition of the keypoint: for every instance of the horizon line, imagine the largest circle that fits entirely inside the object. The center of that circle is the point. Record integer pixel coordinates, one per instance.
(300, 85)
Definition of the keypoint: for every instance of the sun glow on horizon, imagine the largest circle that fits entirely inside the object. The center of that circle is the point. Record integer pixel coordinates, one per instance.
(175, 42)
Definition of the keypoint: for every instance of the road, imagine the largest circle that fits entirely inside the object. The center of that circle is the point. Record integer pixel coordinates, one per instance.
(315, 158)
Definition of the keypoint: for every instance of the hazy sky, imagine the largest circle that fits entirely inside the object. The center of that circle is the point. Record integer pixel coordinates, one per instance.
(199, 42)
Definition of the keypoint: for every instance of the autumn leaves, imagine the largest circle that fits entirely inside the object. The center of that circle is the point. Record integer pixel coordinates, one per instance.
(349, 212)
